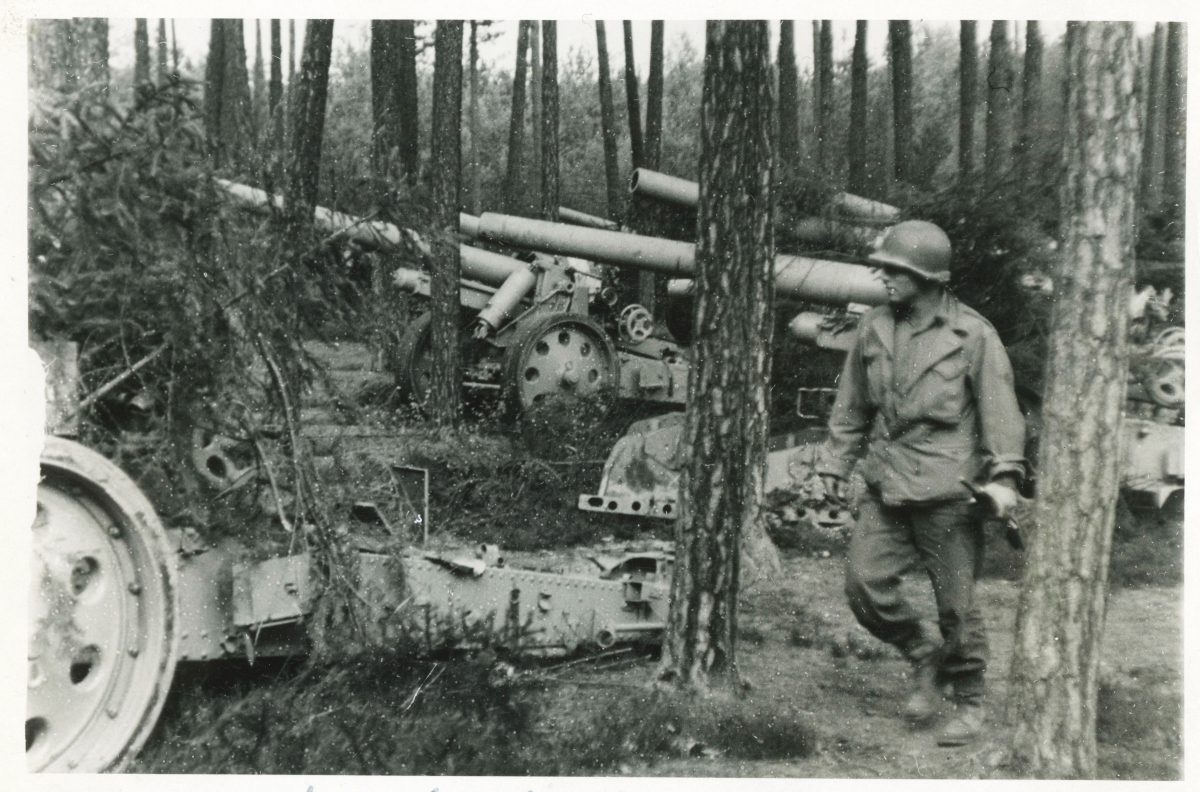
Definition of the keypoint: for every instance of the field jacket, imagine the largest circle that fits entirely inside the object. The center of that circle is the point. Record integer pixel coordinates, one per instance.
(953, 416)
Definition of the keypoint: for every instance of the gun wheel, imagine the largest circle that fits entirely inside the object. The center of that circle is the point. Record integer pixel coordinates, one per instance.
(414, 361)
(102, 615)
(559, 355)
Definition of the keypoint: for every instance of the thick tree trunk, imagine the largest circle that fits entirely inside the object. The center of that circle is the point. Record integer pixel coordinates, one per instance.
(1175, 125)
(536, 78)
(473, 122)
(816, 86)
(214, 83)
(998, 151)
(900, 56)
(141, 52)
(308, 122)
(445, 396)
(968, 97)
(385, 103)
(631, 100)
(789, 96)
(164, 66)
(409, 115)
(174, 48)
(1031, 98)
(550, 120)
(654, 99)
(608, 128)
(1152, 148)
(275, 90)
(259, 94)
(227, 95)
(291, 52)
(825, 107)
(513, 195)
(1060, 617)
(856, 148)
(725, 433)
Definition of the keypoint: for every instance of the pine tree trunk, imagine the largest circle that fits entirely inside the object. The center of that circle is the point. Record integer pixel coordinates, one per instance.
(550, 120)
(409, 115)
(385, 103)
(291, 52)
(1175, 126)
(164, 66)
(725, 432)
(968, 97)
(141, 50)
(816, 86)
(1152, 149)
(654, 99)
(174, 49)
(631, 99)
(998, 153)
(445, 396)
(789, 96)
(259, 94)
(236, 128)
(476, 199)
(608, 128)
(900, 56)
(1031, 98)
(825, 119)
(214, 83)
(856, 148)
(513, 193)
(275, 89)
(1060, 616)
(65, 54)
(308, 121)
(536, 78)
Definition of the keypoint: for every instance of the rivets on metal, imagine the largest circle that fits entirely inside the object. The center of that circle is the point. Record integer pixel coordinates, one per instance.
(133, 651)
(135, 589)
(112, 712)
(114, 532)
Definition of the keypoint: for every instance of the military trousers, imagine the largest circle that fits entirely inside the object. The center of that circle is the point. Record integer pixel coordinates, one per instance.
(944, 538)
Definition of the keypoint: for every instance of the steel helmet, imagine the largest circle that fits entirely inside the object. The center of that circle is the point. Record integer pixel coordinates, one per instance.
(917, 247)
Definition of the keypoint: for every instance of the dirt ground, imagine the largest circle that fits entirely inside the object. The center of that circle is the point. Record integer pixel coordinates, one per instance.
(801, 649)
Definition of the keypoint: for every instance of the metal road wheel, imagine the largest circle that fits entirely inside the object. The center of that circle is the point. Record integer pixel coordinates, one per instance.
(414, 361)
(559, 355)
(102, 615)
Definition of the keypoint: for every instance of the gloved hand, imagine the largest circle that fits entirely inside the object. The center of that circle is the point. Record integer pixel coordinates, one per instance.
(835, 488)
(1000, 497)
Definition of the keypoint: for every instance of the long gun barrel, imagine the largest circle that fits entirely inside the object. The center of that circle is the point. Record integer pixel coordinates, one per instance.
(797, 277)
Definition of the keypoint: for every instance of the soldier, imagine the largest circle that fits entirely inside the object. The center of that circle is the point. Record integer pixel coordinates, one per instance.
(927, 394)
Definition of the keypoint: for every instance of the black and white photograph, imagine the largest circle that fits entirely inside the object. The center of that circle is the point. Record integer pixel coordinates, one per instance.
(627, 398)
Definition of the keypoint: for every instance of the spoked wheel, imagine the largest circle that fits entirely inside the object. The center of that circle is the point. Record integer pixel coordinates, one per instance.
(414, 361)
(560, 355)
(102, 615)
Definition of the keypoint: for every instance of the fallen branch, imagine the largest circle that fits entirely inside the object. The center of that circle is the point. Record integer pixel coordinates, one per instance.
(109, 386)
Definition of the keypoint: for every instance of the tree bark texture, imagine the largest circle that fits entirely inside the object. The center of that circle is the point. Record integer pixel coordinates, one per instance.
(227, 95)
(445, 397)
(725, 432)
(259, 94)
(291, 52)
(1152, 148)
(409, 114)
(1031, 97)
(550, 120)
(789, 95)
(632, 101)
(174, 51)
(968, 96)
(1175, 124)
(654, 99)
(308, 123)
(816, 86)
(141, 52)
(164, 65)
(856, 144)
(998, 151)
(513, 195)
(275, 89)
(65, 54)
(608, 128)
(473, 122)
(900, 56)
(385, 102)
(825, 105)
(536, 78)
(1060, 615)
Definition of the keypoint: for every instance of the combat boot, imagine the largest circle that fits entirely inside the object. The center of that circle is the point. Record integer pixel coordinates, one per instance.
(965, 725)
(922, 703)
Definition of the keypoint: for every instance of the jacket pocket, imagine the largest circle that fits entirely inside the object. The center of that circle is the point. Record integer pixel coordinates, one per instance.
(941, 395)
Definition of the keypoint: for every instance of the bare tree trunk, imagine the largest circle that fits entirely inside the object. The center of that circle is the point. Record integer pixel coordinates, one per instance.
(968, 99)
(275, 89)
(164, 66)
(409, 115)
(141, 49)
(856, 148)
(608, 128)
(998, 153)
(174, 49)
(291, 52)
(473, 122)
(308, 122)
(789, 95)
(550, 120)
(259, 94)
(900, 55)
(1175, 125)
(445, 394)
(516, 125)
(214, 83)
(816, 86)
(654, 99)
(725, 432)
(1060, 617)
(1152, 148)
(536, 77)
(631, 99)
(385, 103)
(65, 54)
(1031, 97)
(825, 116)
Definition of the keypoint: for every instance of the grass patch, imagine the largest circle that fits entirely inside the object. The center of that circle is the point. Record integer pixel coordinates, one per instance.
(1139, 720)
